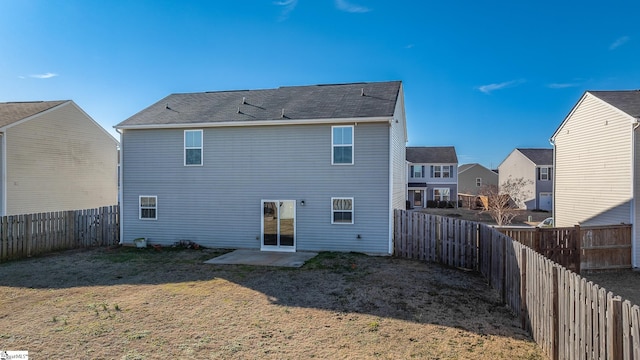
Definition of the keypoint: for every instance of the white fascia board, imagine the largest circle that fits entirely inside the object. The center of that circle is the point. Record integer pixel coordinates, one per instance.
(575, 107)
(261, 123)
(116, 141)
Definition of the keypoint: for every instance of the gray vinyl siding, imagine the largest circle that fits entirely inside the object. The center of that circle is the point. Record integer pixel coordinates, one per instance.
(543, 186)
(219, 204)
(467, 179)
(593, 154)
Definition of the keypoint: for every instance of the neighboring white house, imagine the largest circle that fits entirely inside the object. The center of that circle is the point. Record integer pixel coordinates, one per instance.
(472, 177)
(54, 157)
(432, 176)
(299, 168)
(597, 162)
(535, 167)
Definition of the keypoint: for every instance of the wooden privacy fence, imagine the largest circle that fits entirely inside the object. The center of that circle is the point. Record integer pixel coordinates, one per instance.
(579, 248)
(28, 235)
(568, 316)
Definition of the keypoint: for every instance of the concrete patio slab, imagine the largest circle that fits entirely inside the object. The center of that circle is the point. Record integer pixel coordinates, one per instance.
(263, 258)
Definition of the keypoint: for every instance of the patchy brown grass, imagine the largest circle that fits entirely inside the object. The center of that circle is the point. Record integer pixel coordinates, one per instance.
(126, 303)
(625, 283)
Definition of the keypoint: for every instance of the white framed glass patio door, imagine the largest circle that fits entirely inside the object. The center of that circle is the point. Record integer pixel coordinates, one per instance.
(278, 225)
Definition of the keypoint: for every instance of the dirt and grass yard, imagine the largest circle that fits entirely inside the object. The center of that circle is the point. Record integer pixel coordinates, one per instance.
(625, 283)
(127, 303)
(523, 218)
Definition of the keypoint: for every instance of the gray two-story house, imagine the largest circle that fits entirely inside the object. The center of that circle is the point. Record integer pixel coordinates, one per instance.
(535, 167)
(432, 176)
(300, 168)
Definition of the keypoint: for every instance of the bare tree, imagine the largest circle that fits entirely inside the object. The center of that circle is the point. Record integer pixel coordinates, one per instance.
(503, 203)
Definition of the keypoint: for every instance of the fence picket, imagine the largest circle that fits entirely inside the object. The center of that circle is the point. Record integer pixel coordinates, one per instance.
(569, 317)
(32, 234)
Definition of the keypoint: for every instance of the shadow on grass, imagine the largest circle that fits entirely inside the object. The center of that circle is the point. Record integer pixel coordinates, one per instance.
(339, 282)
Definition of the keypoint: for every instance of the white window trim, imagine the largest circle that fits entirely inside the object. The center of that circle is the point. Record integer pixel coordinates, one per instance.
(140, 207)
(201, 147)
(414, 172)
(352, 211)
(353, 147)
(478, 182)
(439, 169)
(443, 188)
(544, 176)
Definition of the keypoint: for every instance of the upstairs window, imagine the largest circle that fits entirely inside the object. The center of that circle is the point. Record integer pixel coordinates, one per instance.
(478, 182)
(148, 207)
(544, 173)
(192, 147)
(442, 171)
(342, 210)
(417, 171)
(342, 145)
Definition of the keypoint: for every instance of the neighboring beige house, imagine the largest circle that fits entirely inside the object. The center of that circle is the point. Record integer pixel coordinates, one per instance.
(597, 152)
(535, 166)
(54, 157)
(472, 177)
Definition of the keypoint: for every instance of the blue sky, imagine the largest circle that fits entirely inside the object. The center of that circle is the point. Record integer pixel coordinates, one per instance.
(483, 76)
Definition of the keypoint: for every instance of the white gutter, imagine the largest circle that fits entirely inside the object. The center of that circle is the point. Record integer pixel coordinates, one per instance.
(258, 123)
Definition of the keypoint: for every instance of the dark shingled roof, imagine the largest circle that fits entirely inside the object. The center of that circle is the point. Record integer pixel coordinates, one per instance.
(337, 101)
(627, 101)
(538, 156)
(11, 112)
(432, 154)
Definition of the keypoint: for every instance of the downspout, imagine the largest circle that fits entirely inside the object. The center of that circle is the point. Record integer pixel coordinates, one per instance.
(632, 221)
(120, 189)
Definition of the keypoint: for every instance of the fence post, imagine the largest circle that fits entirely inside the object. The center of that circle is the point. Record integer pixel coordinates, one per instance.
(71, 229)
(28, 233)
(614, 326)
(438, 238)
(504, 269)
(554, 313)
(523, 291)
(578, 255)
(396, 213)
